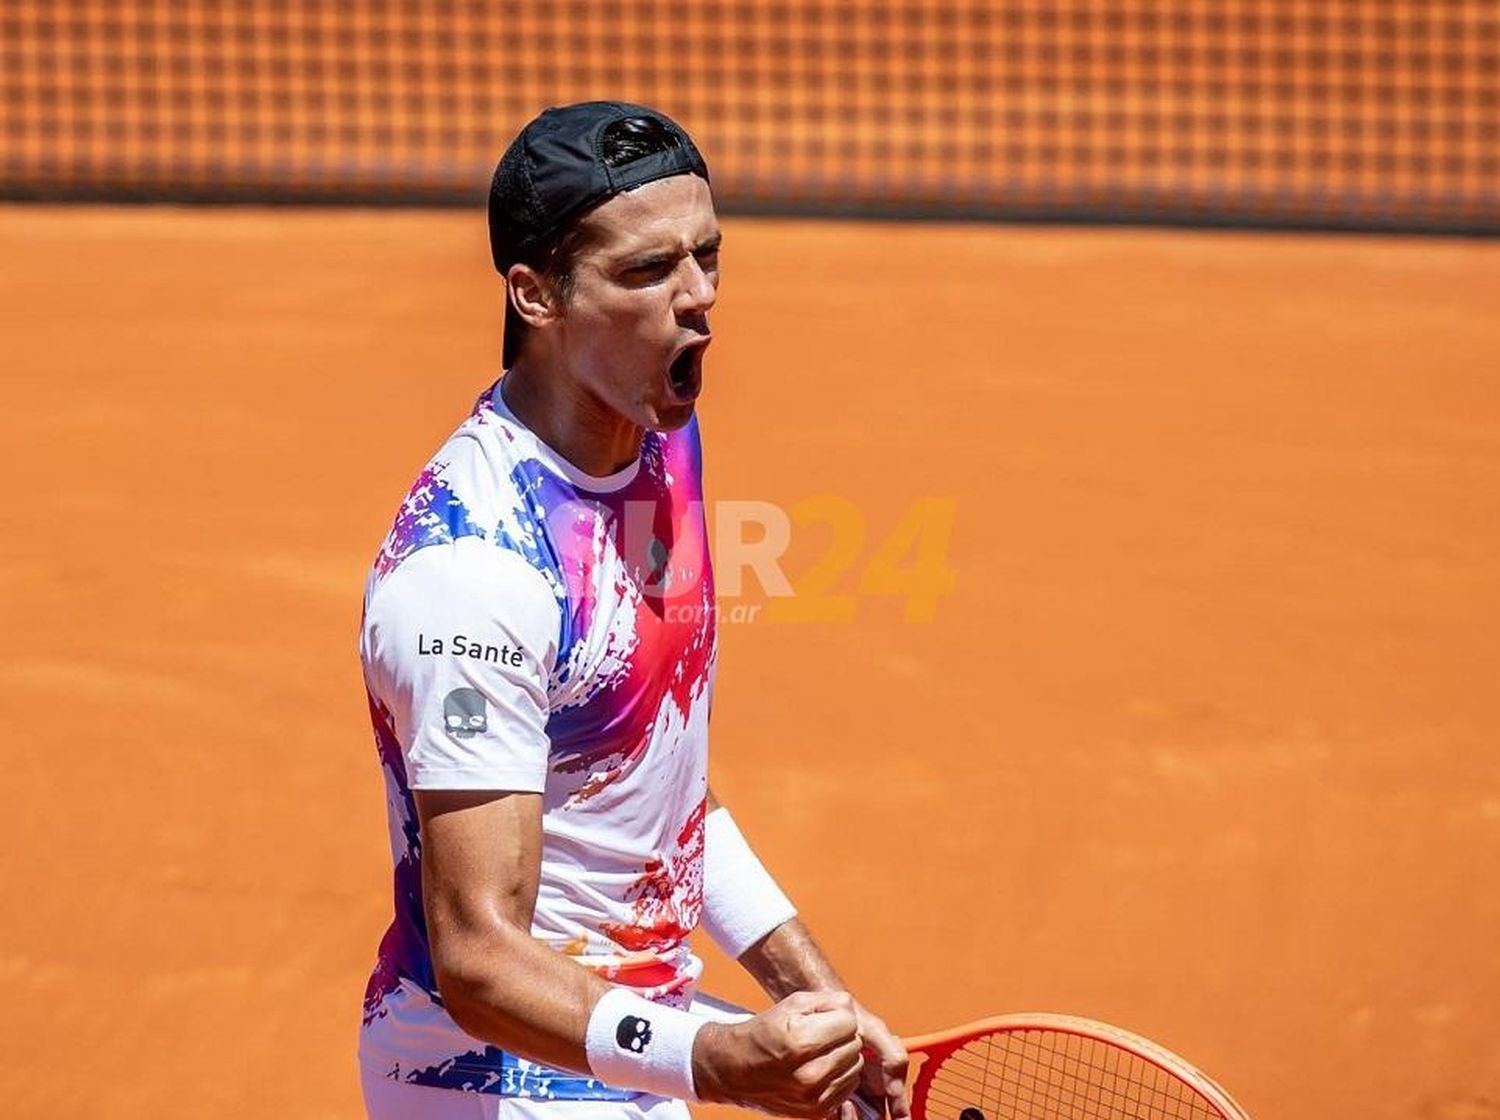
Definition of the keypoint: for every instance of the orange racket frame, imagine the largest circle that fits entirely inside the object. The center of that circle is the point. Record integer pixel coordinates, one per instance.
(929, 1050)
(934, 1047)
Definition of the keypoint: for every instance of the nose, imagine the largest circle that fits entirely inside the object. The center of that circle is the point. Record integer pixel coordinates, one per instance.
(699, 292)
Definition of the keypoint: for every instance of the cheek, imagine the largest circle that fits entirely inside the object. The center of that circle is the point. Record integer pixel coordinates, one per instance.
(642, 319)
(641, 314)
(624, 336)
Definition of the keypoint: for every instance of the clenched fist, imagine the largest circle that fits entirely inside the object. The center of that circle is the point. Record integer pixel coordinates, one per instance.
(799, 1058)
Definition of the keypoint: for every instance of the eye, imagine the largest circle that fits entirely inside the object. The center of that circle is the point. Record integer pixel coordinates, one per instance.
(649, 272)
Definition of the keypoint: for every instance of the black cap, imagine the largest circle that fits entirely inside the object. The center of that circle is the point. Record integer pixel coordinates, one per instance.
(554, 171)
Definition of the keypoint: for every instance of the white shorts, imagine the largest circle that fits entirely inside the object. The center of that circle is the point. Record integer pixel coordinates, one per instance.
(386, 1099)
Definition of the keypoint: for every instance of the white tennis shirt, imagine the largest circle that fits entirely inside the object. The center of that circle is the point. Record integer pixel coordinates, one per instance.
(529, 627)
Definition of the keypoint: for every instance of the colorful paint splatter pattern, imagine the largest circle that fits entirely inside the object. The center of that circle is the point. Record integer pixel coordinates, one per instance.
(628, 699)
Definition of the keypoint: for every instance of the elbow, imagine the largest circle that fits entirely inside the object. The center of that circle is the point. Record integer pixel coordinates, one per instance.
(461, 1000)
(463, 966)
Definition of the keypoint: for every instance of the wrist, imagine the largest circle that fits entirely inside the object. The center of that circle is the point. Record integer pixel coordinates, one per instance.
(788, 960)
(632, 1043)
(742, 905)
(710, 1047)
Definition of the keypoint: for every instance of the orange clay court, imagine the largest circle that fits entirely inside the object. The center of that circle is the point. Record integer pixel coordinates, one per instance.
(1202, 742)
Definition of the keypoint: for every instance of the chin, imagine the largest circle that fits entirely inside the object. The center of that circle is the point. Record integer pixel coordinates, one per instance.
(670, 417)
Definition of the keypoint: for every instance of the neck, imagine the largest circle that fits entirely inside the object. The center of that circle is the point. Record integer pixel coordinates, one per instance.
(572, 421)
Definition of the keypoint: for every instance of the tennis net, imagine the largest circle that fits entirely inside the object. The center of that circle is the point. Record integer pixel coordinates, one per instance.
(1362, 113)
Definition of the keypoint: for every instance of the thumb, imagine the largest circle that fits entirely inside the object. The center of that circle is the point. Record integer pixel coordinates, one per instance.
(824, 1000)
(827, 1023)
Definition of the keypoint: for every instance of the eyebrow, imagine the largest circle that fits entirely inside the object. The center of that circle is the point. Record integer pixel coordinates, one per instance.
(651, 258)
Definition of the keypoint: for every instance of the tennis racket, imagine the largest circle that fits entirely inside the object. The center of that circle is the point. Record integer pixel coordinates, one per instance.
(1036, 1066)
(1056, 1067)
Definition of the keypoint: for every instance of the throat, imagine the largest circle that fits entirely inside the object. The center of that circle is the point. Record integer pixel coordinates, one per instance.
(592, 437)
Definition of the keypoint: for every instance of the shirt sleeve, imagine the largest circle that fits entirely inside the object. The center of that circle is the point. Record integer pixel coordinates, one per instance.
(459, 644)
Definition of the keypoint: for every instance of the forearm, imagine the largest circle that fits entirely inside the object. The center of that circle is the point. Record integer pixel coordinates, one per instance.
(788, 960)
(480, 878)
(742, 905)
(505, 988)
(783, 960)
(480, 873)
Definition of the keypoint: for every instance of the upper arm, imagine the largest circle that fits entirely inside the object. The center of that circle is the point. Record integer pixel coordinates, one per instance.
(480, 868)
(481, 861)
(459, 643)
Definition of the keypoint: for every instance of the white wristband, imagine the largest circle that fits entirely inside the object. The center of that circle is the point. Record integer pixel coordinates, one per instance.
(633, 1043)
(741, 902)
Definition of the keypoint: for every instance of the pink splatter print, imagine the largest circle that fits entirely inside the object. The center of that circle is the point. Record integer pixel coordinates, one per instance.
(668, 897)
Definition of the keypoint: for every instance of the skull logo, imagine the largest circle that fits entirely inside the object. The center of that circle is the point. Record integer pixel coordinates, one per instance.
(633, 1034)
(464, 713)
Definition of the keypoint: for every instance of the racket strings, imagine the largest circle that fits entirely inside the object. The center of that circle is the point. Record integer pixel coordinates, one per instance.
(1043, 1074)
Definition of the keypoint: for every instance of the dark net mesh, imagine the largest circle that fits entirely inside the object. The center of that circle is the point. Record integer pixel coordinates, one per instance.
(1342, 112)
(1044, 1074)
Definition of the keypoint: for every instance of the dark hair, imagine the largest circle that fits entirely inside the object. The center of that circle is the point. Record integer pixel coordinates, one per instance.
(624, 141)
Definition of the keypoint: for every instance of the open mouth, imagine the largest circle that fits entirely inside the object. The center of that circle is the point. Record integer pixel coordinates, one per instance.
(685, 373)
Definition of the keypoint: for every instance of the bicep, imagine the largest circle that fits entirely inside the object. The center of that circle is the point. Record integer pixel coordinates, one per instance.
(481, 861)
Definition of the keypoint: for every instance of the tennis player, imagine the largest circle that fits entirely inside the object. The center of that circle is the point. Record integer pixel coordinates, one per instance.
(538, 646)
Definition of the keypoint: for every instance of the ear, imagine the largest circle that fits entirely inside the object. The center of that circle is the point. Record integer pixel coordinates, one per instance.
(530, 294)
